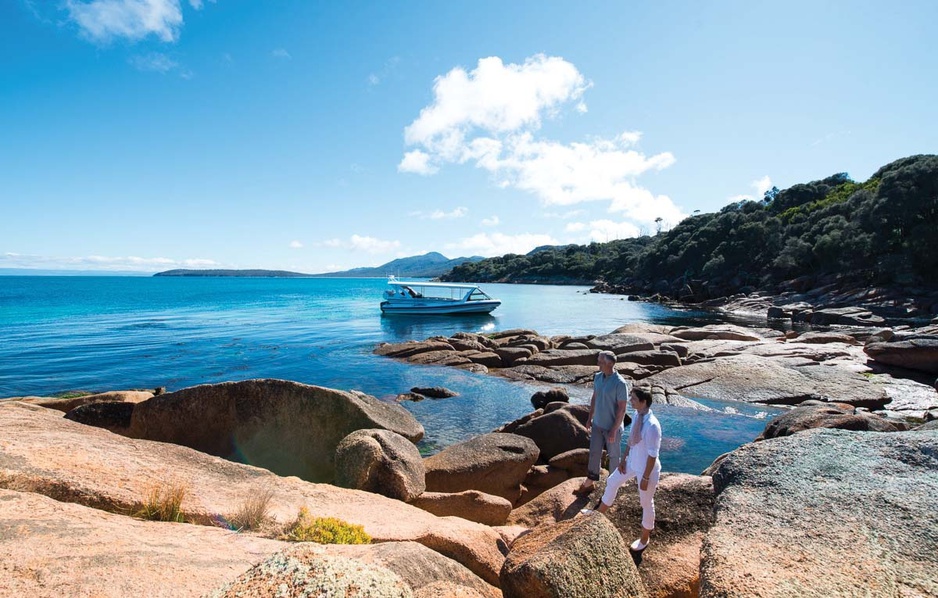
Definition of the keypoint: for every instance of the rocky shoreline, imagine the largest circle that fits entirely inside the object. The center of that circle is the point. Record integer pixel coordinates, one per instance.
(834, 498)
(794, 299)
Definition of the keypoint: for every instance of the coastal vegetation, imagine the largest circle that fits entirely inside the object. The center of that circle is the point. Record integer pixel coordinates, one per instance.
(163, 502)
(880, 231)
(253, 512)
(325, 530)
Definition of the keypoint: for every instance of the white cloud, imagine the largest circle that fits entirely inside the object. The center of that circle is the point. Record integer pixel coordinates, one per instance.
(101, 262)
(296, 245)
(489, 117)
(642, 206)
(495, 97)
(417, 162)
(154, 61)
(104, 20)
(361, 243)
(760, 185)
(493, 221)
(440, 214)
(488, 245)
(603, 231)
(281, 53)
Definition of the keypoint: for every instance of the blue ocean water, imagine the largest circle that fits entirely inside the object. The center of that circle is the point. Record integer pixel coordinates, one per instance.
(106, 333)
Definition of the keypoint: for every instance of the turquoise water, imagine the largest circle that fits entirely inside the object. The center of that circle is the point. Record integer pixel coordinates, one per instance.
(105, 333)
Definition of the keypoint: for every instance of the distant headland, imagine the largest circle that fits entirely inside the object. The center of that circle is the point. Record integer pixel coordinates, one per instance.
(236, 273)
(428, 265)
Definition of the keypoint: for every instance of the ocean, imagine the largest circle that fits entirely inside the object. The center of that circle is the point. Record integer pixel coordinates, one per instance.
(93, 333)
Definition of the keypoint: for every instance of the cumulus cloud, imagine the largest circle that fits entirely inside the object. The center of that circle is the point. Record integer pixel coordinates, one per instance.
(760, 185)
(105, 20)
(490, 116)
(495, 97)
(488, 245)
(296, 245)
(417, 162)
(101, 262)
(362, 243)
(493, 221)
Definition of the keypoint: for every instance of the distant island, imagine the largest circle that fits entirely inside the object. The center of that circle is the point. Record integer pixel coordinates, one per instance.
(236, 273)
(428, 265)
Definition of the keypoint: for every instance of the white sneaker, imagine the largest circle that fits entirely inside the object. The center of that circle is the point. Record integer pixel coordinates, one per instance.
(587, 511)
(638, 545)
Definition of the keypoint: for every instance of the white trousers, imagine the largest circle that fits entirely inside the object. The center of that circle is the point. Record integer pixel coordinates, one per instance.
(645, 497)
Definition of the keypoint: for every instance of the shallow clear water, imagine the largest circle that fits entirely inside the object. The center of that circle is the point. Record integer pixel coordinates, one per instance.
(103, 333)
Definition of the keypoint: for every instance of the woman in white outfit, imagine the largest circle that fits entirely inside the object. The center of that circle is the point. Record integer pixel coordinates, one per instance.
(641, 461)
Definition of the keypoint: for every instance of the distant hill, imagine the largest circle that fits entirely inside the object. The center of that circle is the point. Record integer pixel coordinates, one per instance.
(428, 265)
(236, 273)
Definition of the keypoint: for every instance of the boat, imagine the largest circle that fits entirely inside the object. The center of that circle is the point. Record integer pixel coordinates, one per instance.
(425, 298)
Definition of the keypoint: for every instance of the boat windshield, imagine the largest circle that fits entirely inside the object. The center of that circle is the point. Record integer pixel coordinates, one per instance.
(478, 295)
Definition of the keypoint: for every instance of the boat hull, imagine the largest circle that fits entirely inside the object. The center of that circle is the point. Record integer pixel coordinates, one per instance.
(475, 307)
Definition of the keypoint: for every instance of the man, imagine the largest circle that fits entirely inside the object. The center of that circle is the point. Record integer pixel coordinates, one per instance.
(607, 412)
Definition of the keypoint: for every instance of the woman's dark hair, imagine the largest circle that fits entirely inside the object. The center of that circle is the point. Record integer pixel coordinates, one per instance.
(643, 393)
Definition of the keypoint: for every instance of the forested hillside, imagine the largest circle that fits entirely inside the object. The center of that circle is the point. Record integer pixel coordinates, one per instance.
(881, 231)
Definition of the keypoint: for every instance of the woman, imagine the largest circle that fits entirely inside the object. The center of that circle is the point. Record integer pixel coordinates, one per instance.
(641, 461)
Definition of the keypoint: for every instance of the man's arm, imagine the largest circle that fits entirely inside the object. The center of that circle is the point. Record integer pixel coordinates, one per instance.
(589, 418)
(620, 416)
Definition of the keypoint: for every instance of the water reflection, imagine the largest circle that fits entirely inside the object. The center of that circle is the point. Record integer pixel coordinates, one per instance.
(413, 327)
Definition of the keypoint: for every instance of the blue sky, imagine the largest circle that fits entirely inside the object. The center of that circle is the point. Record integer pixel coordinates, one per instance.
(146, 135)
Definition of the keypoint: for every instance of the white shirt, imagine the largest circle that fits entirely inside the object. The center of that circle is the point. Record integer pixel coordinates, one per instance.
(649, 446)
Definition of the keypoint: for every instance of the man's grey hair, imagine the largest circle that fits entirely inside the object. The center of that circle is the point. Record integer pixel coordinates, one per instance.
(608, 356)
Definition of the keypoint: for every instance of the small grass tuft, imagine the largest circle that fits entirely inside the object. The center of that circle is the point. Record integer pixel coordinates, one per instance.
(71, 394)
(325, 530)
(163, 502)
(253, 512)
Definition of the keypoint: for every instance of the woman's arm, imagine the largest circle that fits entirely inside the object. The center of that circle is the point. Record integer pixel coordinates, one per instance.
(649, 467)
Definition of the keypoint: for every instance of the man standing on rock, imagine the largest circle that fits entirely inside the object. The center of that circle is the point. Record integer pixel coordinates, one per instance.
(607, 412)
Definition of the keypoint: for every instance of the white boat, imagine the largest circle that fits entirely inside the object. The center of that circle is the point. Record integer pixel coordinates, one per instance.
(423, 298)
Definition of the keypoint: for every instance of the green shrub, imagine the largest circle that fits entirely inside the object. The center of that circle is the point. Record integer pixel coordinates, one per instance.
(71, 394)
(325, 530)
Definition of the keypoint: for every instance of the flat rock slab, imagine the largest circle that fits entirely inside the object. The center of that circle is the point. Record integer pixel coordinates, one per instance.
(826, 513)
(51, 549)
(917, 352)
(755, 379)
(113, 473)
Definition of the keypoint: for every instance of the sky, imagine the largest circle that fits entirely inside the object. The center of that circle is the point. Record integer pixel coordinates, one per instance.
(313, 136)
